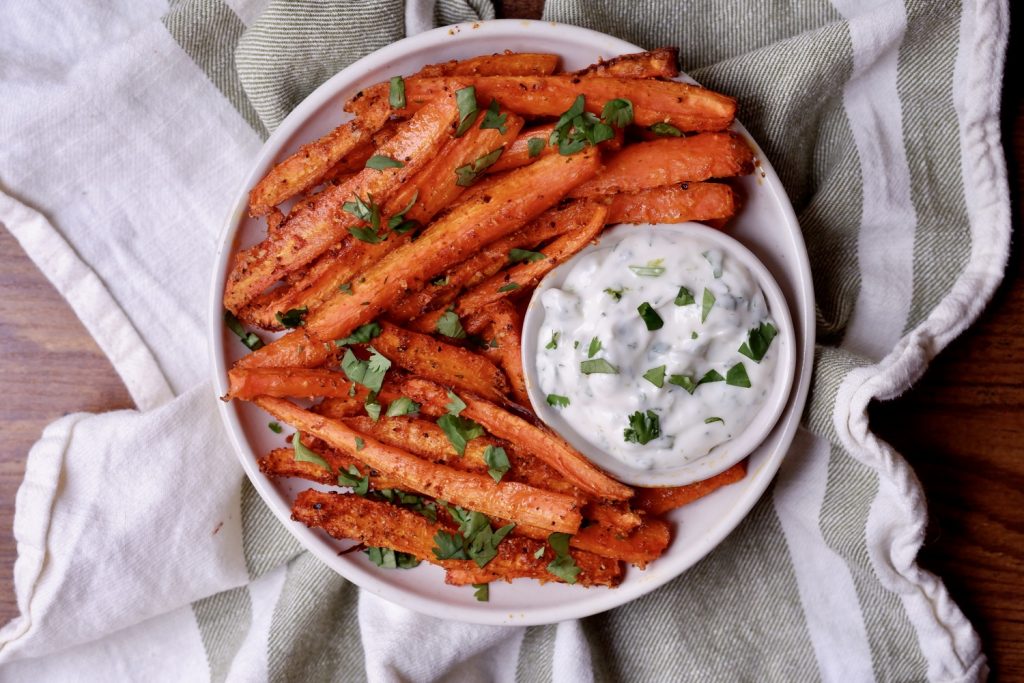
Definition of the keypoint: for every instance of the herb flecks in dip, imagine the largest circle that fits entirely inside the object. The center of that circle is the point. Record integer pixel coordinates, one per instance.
(662, 348)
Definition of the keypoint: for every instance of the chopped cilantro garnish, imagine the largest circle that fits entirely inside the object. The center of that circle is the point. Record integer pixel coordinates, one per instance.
(650, 317)
(386, 558)
(516, 255)
(643, 427)
(360, 444)
(652, 269)
(758, 341)
(710, 376)
(274, 427)
(497, 462)
(379, 162)
(367, 211)
(359, 484)
(345, 288)
(440, 281)
(535, 146)
(707, 302)
(372, 409)
(709, 420)
(666, 129)
(396, 94)
(594, 347)
(598, 366)
(459, 430)
(482, 591)
(618, 112)
(450, 326)
(250, 339)
(553, 344)
(403, 405)
(468, 109)
(293, 317)
(615, 293)
(656, 376)
(492, 119)
(737, 376)
(360, 335)
(455, 405)
(685, 381)
(563, 566)
(303, 454)
(684, 297)
(370, 373)
(577, 129)
(557, 401)
(510, 287)
(467, 175)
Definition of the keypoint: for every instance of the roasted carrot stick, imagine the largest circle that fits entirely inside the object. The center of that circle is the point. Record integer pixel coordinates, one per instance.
(286, 382)
(314, 161)
(518, 153)
(674, 204)
(669, 161)
(505, 327)
(524, 194)
(659, 63)
(644, 545)
(538, 441)
(517, 502)
(660, 501)
(507, 63)
(309, 233)
(281, 462)
(425, 439)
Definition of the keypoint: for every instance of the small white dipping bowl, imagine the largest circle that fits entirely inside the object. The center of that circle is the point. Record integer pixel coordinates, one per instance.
(726, 454)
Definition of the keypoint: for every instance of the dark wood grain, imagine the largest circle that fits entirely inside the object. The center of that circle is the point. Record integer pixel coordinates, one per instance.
(962, 427)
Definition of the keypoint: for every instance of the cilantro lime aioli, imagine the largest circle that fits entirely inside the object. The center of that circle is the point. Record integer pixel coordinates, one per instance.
(657, 349)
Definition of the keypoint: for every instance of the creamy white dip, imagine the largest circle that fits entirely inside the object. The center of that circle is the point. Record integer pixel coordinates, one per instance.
(601, 336)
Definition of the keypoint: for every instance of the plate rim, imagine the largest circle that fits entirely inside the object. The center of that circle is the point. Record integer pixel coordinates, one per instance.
(593, 601)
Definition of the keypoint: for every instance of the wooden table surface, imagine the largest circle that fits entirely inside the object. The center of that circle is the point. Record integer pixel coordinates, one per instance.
(962, 427)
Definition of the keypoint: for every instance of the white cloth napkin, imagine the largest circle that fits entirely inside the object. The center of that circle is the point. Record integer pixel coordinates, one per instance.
(127, 147)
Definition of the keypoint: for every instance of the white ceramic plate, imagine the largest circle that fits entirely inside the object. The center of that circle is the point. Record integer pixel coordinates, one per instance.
(767, 226)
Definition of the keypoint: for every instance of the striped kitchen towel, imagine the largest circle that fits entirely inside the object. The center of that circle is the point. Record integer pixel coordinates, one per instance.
(144, 554)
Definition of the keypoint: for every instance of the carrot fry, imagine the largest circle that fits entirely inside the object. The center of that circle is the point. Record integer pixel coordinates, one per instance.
(674, 204)
(594, 569)
(670, 161)
(538, 441)
(615, 515)
(659, 63)
(309, 233)
(524, 194)
(314, 161)
(286, 382)
(518, 153)
(281, 462)
(644, 545)
(588, 220)
(517, 502)
(338, 407)
(275, 217)
(660, 501)
(481, 265)
(425, 439)
(505, 326)
(435, 360)
(507, 63)
(687, 107)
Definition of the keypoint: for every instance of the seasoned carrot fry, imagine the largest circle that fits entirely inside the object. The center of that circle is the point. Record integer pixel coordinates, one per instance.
(313, 162)
(660, 63)
(505, 326)
(644, 545)
(275, 217)
(481, 265)
(507, 63)
(674, 204)
(588, 219)
(518, 153)
(338, 407)
(425, 439)
(615, 515)
(435, 360)
(660, 501)
(524, 194)
(670, 161)
(687, 107)
(517, 502)
(539, 441)
(379, 524)
(309, 233)
(286, 382)
(281, 462)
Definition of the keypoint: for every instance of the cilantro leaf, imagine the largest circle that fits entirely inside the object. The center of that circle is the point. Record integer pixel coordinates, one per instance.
(642, 427)
(684, 297)
(492, 119)
(497, 462)
(483, 545)
(737, 376)
(517, 255)
(293, 317)
(396, 92)
(379, 162)
(360, 335)
(482, 591)
(710, 376)
(656, 376)
(685, 381)
(448, 546)
(650, 317)
(666, 129)
(553, 344)
(360, 444)
(250, 339)
(459, 430)
(440, 281)
(510, 287)
(303, 454)
(372, 409)
(359, 484)
(535, 146)
(709, 420)
(557, 401)
(467, 175)
(345, 288)
(758, 341)
(387, 558)
(455, 405)
(598, 366)
(468, 109)
(615, 293)
(618, 112)
(370, 373)
(595, 346)
(652, 269)
(706, 305)
(403, 405)
(274, 427)
(450, 326)
(563, 566)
